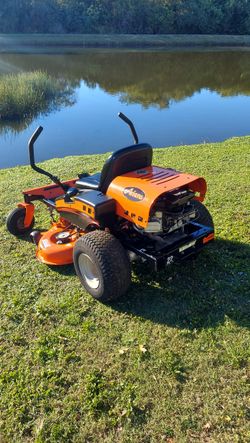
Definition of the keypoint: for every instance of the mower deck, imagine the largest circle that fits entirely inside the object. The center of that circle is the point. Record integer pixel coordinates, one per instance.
(55, 247)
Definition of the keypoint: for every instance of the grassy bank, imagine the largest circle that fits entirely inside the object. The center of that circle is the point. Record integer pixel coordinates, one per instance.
(47, 42)
(29, 93)
(167, 363)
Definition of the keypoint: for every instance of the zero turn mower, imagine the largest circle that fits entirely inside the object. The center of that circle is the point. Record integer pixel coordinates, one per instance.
(130, 210)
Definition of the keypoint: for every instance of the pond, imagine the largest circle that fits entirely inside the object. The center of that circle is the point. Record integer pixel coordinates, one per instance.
(173, 97)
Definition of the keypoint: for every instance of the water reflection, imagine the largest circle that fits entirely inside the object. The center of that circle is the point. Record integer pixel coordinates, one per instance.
(173, 97)
(146, 78)
(60, 95)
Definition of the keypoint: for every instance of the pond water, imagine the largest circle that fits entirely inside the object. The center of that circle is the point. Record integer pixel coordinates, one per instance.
(173, 98)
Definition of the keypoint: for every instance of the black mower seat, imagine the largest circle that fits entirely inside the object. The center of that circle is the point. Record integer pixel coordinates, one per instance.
(90, 182)
(120, 162)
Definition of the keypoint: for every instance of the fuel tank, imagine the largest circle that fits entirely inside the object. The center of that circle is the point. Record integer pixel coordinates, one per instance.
(135, 192)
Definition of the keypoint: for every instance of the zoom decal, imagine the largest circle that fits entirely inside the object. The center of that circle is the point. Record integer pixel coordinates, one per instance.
(134, 194)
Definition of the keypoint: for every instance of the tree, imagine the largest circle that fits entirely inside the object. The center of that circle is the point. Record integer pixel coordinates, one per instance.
(125, 16)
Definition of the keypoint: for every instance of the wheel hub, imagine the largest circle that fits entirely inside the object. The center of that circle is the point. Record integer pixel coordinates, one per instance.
(89, 270)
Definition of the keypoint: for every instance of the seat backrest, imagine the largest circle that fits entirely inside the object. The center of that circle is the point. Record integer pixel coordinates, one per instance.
(125, 160)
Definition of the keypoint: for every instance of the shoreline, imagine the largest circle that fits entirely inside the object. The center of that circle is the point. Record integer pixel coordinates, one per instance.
(22, 43)
(103, 155)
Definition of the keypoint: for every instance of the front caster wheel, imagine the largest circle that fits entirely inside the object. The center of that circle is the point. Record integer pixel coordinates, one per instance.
(102, 265)
(15, 222)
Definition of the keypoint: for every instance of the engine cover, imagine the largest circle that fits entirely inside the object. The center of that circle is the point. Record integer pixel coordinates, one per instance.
(135, 192)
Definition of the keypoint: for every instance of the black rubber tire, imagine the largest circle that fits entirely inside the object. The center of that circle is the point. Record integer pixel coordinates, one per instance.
(15, 222)
(204, 217)
(111, 263)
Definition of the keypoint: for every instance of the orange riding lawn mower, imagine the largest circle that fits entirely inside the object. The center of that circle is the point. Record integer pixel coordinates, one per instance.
(129, 211)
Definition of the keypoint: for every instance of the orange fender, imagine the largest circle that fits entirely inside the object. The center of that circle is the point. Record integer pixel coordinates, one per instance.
(29, 213)
(135, 192)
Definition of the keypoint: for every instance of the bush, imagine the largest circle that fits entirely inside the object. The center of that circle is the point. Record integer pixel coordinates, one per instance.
(30, 93)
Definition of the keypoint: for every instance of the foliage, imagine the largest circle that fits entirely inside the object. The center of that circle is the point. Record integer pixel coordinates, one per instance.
(126, 16)
(169, 362)
(27, 94)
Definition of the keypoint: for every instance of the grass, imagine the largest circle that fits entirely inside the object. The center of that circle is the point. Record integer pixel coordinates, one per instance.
(46, 42)
(167, 363)
(27, 94)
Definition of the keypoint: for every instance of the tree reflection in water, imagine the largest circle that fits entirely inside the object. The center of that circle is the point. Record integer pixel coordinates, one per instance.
(146, 78)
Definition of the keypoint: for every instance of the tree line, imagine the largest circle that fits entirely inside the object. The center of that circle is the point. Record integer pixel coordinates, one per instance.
(126, 16)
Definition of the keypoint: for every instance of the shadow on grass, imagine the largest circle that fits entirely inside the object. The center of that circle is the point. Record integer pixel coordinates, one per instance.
(194, 294)
(197, 293)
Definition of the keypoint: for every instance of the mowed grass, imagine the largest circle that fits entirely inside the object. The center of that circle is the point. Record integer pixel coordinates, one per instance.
(29, 93)
(167, 363)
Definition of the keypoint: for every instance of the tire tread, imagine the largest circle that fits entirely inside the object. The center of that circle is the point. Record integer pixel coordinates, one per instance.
(112, 260)
(204, 216)
(12, 220)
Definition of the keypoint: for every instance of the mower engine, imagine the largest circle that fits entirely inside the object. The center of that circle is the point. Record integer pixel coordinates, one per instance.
(171, 212)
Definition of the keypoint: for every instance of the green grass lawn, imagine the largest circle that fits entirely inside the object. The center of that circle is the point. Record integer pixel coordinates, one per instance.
(168, 363)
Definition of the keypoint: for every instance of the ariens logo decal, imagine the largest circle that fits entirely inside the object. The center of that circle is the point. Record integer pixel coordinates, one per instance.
(134, 194)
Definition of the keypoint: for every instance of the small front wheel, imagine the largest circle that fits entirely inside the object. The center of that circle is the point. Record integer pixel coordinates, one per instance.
(102, 265)
(15, 222)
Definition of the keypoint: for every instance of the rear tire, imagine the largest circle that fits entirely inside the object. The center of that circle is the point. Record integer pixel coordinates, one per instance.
(203, 215)
(102, 265)
(15, 222)
(204, 218)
